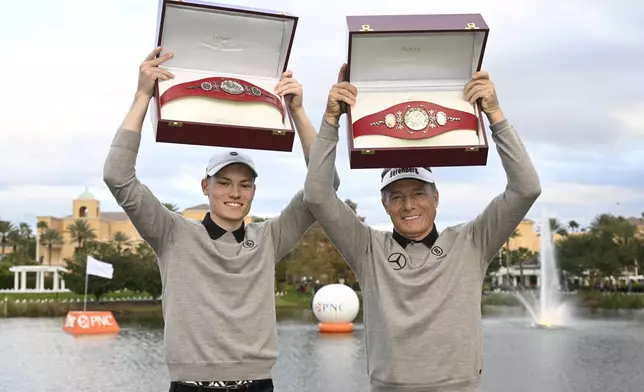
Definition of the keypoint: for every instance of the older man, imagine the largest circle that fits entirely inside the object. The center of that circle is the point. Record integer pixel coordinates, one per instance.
(218, 273)
(421, 288)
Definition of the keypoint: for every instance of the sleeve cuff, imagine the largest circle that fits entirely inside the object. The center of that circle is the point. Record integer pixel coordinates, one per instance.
(328, 131)
(500, 126)
(127, 139)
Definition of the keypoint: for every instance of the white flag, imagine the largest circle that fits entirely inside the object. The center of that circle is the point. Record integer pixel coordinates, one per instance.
(99, 268)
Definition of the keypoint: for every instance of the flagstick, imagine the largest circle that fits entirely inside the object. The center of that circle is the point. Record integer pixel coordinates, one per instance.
(85, 296)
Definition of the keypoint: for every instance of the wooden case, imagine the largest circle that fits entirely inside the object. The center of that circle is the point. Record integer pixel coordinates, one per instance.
(399, 58)
(214, 40)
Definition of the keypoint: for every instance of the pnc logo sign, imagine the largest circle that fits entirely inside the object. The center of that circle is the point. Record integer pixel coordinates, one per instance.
(90, 322)
(322, 307)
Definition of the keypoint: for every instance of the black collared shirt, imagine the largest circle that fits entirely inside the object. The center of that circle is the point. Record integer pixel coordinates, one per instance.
(428, 241)
(215, 231)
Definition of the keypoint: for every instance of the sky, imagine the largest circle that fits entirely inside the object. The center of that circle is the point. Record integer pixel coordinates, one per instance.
(568, 75)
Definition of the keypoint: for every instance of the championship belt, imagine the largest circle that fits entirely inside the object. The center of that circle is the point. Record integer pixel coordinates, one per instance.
(222, 88)
(419, 119)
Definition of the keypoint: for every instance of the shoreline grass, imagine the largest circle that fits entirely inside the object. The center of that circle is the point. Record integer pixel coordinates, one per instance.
(126, 303)
(140, 304)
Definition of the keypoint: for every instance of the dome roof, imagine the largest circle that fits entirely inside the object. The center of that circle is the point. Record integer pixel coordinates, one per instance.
(86, 194)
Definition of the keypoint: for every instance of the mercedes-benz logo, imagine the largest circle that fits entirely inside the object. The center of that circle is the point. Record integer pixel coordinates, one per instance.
(248, 244)
(397, 260)
(437, 251)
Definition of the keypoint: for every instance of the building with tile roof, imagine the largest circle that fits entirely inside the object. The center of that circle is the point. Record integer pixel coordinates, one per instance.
(105, 225)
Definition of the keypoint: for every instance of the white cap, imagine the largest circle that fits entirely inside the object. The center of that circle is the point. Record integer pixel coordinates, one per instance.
(227, 157)
(416, 173)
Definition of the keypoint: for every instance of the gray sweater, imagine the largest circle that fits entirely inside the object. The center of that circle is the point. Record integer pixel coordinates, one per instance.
(423, 321)
(218, 296)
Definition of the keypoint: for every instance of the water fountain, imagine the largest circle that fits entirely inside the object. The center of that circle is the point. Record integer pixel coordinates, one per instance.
(548, 310)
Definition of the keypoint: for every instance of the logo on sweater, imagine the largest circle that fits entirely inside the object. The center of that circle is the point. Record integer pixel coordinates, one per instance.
(248, 244)
(397, 260)
(437, 251)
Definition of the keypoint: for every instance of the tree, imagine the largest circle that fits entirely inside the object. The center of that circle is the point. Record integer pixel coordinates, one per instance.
(120, 240)
(556, 227)
(171, 207)
(515, 233)
(49, 238)
(620, 236)
(97, 286)
(81, 232)
(609, 247)
(145, 274)
(315, 256)
(573, 226)
(6, 227)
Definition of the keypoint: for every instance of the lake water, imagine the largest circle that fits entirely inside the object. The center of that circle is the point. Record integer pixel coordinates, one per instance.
(602, 352)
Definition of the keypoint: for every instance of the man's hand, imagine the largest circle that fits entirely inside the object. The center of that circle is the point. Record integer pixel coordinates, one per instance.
(481, 88)
(149, 72)
(289, 86)
(341, 93)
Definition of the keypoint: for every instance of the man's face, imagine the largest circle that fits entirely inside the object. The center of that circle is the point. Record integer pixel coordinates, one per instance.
(411, 204)
(230, 192)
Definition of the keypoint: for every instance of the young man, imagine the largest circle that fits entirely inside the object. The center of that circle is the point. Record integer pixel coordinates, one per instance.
(421, 289)
(218, 274)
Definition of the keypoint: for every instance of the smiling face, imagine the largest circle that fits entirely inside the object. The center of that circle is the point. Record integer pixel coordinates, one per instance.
(230, 194)
(411, 205)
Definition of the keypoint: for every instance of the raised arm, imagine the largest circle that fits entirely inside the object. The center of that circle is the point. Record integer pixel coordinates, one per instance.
(289, 227)
(152, 219)
(346, 231)
(492, 228)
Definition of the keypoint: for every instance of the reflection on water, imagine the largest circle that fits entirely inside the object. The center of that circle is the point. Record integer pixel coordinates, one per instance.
(603, 351)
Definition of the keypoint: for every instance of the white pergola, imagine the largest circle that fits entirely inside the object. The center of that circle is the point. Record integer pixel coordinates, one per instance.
(20, 278)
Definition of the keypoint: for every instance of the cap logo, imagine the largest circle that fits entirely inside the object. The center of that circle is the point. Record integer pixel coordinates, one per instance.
(233, 153)
(396, 172)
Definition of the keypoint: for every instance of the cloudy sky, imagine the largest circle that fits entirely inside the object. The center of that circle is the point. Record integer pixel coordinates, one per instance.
(569, 75)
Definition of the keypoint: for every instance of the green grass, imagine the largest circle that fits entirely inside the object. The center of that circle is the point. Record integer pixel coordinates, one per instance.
(584, 298)
(68, 296)
(595, 299)
(293, 300)
(500, 299)
(50, 305)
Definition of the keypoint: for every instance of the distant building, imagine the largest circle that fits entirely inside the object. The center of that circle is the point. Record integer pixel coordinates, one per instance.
(528, 237)
(105, 224)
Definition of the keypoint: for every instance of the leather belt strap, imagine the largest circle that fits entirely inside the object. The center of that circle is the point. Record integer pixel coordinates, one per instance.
(180, 387)
(222, 88)
(415, 120)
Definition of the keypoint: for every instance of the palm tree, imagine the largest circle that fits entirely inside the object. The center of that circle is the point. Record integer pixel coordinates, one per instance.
(15, 239)
(49, 238)
(603, 221)
(515, 233)
(6, 227)
(120, 239)
(557, 227)
(26, 241)
(573, 225)
(171, 207)
(81, 232)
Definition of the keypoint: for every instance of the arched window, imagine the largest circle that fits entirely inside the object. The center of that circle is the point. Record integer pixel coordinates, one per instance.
(82, 212)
